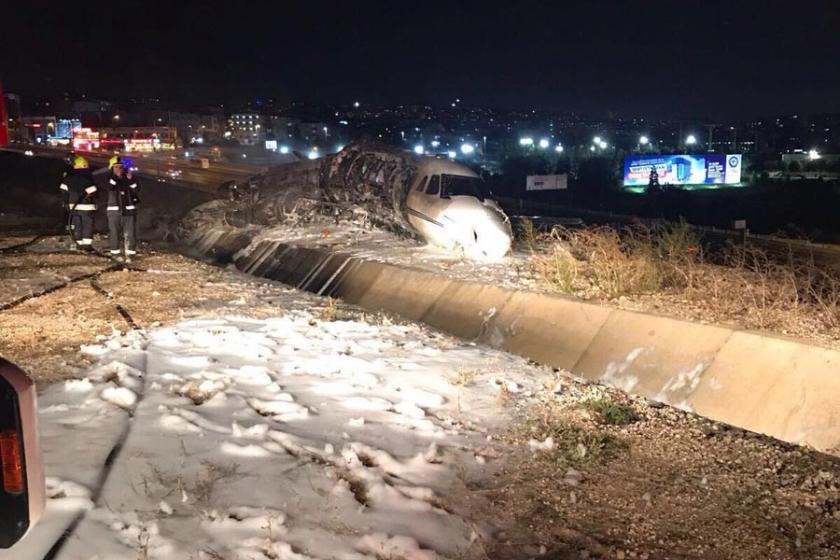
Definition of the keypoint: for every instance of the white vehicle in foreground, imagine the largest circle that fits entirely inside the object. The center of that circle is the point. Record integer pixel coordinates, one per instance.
(21, 471)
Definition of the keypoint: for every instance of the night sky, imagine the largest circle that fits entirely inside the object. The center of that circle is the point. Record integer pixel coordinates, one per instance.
(738, 58)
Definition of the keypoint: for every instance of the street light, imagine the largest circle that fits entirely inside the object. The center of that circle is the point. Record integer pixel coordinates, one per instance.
(418, 149)
(691, 140)
(644, 140)
(603, 145)
(435, 143)
(596, 140)
(544, 143)
(813, 154)
(558, 148)
(526, 141)
(284, 149)
(356, 104)
(467, 149)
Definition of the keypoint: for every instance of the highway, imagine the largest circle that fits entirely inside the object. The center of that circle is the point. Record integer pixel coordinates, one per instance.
(165, 167)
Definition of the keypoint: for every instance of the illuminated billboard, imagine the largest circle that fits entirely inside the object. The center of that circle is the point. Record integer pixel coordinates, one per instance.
(683, 169)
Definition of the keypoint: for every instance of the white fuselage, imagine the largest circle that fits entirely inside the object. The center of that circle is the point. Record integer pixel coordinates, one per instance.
(446, 207)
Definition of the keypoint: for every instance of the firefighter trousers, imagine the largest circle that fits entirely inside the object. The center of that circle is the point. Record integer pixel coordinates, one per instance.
(81, 227)
(122, 232)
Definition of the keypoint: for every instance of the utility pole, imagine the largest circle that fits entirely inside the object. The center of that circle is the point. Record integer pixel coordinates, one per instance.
(711, 128)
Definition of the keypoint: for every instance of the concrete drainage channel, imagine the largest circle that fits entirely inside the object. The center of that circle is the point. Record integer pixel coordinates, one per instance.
(783, 388)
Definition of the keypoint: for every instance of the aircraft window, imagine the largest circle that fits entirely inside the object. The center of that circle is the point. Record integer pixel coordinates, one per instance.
(461, 185)
(421, 185)
(434, 185)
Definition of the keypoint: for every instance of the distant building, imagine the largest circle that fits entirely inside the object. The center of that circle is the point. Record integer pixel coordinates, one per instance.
(212, 126)
(17, 132)
(139, 139)
(246, 128)
(314, 133)
(38, 130)
(282, 128)
(810, 158)
(187, 125)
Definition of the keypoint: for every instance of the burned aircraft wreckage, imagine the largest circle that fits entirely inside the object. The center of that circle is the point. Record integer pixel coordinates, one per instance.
(433, 199)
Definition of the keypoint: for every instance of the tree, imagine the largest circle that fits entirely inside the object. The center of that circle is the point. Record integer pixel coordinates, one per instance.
(653, 180)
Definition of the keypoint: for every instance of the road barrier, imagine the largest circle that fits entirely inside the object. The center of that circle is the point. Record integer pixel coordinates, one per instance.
(783, 388)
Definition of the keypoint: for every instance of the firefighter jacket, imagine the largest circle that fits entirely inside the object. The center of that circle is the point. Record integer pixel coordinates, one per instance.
(123, 194)
(79, 191)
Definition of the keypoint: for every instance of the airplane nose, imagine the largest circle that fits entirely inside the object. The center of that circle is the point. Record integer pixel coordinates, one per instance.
(491, 237)
(481, 231)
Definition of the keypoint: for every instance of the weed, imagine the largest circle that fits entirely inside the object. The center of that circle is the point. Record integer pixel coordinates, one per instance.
(558, 268)
(528, 234)
(612, 413)
(464, 377)
(330, 311)
(572, 443)
(200, 489)
(505, 393)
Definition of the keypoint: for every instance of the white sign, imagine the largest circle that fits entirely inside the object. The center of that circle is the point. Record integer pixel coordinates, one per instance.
(545, 182)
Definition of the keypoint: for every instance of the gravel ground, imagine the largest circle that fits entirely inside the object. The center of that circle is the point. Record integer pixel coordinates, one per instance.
(667, 485)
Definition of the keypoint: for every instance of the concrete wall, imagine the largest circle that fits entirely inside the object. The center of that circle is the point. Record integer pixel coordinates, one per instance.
(782, 388)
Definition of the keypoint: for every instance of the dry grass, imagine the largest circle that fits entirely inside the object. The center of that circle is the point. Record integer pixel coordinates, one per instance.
(528, 234)
(664, 267)
(463, 377)
(196, 490)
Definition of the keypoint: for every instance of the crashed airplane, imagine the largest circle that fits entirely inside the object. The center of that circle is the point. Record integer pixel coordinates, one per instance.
(429, 198)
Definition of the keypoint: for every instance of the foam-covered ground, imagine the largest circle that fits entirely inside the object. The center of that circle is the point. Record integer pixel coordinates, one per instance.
(512, 271)
(291, 437)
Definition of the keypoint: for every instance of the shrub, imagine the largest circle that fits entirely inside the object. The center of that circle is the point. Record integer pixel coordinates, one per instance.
(612, 413)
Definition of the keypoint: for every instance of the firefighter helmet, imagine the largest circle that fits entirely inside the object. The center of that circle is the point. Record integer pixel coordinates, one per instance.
(115, 160)
(79, 163)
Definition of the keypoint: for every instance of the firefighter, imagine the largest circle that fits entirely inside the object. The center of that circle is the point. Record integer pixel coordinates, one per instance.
(123, 199)
(80, 202)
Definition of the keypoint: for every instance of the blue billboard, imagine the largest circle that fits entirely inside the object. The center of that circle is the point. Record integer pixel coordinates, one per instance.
(683, 169)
